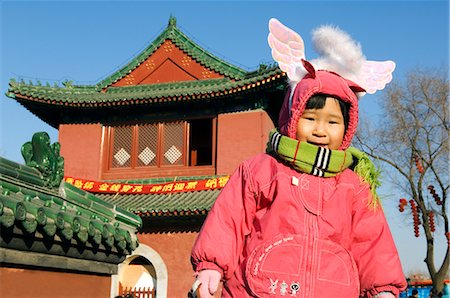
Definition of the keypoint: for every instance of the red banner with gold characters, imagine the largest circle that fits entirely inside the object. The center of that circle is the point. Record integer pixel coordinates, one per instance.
(160, 188)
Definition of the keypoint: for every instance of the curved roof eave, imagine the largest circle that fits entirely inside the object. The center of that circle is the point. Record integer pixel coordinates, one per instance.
(90, 97)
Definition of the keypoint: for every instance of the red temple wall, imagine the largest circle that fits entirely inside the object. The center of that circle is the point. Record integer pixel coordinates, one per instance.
(18, 282)
(81, 149)
(240, 136)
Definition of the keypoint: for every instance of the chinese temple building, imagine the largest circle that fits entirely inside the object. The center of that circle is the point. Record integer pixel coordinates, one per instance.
(159, 138)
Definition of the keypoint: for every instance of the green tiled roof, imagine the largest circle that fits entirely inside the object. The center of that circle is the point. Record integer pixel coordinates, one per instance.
(72, 214)
(175, 204)
(72, 103)
(188, 46)
(91, 96)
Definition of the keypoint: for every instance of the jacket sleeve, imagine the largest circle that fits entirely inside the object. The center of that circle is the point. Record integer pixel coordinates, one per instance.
(220, 241)
(374, 249)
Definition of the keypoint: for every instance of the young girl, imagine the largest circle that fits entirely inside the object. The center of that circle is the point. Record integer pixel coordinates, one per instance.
(304, 220)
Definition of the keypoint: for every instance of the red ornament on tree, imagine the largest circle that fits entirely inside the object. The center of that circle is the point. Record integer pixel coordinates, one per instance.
(431, 221)
(402, 203)
(436, 197)
(418, 163)
(415, 217)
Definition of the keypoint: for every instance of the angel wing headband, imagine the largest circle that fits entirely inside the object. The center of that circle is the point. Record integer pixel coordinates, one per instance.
(338, 53)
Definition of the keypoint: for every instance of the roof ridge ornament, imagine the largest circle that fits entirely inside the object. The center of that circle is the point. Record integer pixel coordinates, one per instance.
(172, 21)
(44, 157)
(68, 84)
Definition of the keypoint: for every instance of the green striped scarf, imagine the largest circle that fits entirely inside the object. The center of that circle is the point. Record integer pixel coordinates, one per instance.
(323, 162)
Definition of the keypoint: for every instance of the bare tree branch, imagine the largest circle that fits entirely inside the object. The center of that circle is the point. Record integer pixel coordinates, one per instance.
(413, 140)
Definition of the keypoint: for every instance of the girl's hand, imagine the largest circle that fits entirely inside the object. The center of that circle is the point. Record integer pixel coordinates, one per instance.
(209, 282)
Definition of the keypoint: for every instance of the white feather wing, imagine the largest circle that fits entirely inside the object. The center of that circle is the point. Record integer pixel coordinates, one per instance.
(375, 75)
(287, 49)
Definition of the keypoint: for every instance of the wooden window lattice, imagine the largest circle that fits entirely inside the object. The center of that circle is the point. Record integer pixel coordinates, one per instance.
(173, 141)
(148, 146)
(161, 145)
(122, 147)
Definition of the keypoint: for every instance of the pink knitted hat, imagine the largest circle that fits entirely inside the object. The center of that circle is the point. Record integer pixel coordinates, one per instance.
(341, 71)
(319, 82)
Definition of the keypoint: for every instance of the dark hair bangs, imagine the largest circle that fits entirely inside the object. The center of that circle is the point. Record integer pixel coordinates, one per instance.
(318, 101)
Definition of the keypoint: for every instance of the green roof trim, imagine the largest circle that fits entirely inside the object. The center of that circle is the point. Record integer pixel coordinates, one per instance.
(21, 172)
(188, 46)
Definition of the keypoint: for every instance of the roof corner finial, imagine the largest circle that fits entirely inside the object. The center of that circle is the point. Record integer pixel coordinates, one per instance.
(172, 21)
(45, 157)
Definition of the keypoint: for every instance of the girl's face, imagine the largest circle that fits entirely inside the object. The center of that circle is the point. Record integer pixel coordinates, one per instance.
(322, 127)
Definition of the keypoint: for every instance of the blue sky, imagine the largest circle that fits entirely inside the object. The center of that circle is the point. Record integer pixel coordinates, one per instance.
(85, 41)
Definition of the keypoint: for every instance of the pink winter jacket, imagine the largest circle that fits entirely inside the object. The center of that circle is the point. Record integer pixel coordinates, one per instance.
(275, 232)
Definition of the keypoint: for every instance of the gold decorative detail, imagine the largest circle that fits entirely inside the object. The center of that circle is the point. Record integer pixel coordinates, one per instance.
(186, 61)
(206, 74)
(168, 46)
(150, 65)
(129, 80)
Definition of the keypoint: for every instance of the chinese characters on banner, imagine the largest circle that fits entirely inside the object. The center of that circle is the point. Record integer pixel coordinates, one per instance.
(128, 188)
